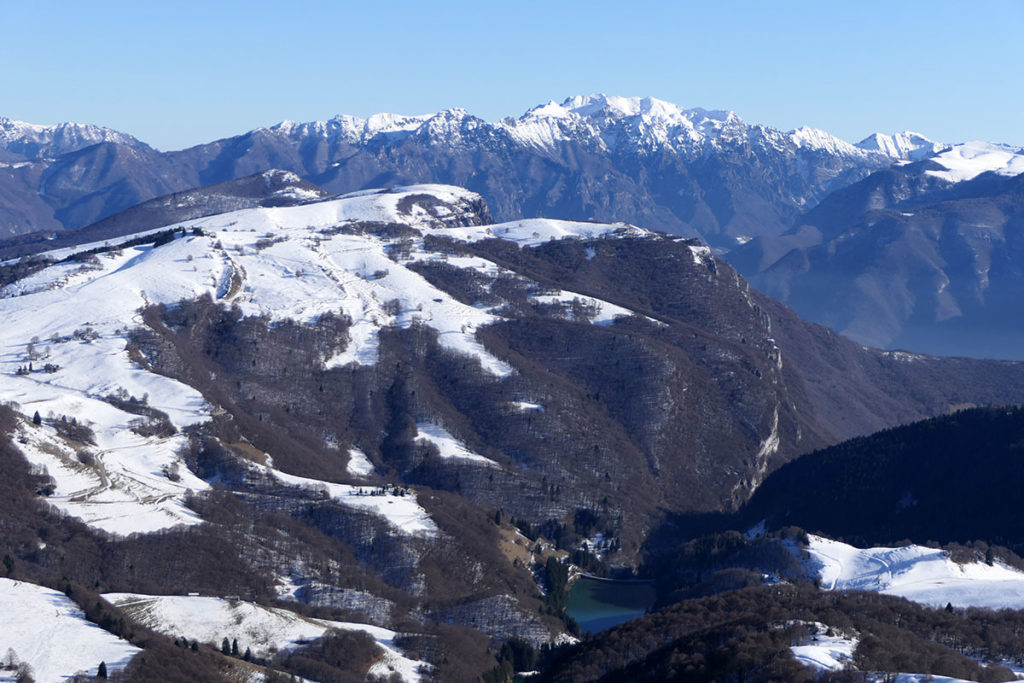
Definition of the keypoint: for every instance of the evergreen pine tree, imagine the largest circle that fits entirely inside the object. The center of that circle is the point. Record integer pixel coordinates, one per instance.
(101, 672)
(36, 419)
(234, 647)
(225, 646)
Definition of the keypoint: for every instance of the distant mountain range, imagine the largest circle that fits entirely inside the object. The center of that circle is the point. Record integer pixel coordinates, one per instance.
(821, 224)
(927, 255)
(688, 171)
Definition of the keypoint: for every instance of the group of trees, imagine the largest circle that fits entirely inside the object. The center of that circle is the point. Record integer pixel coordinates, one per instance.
(231, 648)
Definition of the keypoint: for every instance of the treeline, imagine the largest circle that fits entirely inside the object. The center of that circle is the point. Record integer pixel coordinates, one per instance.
(717, 562)
(949, 479)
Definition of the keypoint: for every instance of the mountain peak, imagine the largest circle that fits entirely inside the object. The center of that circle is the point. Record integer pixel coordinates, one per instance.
(32, 140)
(815, 138)
(600, 105)
(907, 145)
(589, 105)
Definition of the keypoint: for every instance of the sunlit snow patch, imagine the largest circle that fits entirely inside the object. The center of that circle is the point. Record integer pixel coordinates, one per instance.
(126, 484)
(358, 464)
(400, 511)
(50, 633)
(825, 653)
(536, 231)
(595, 310)
(921, 574)
(263, 630)
(448, 446)
(527, 406)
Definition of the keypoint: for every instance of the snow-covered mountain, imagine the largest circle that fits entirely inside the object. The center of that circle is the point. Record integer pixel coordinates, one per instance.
(907, 145)
(597, 157)
(688, 171)
(29, 141)
(624, 124)
(969, 160)
(324, 413)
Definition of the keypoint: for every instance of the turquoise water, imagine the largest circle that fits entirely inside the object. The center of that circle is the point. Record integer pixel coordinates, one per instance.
(599, 604)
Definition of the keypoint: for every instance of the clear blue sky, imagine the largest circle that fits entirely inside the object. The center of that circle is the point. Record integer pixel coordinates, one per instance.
(181, 74)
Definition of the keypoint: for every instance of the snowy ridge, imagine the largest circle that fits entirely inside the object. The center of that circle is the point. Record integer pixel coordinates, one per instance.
(50, 633)
(921, 574)
(264, 630)
(34, 141)
(971, 159)
(608, 122)
(907, 145)
(352, 128)
(532, 232)
(814, 138)
(648, 123)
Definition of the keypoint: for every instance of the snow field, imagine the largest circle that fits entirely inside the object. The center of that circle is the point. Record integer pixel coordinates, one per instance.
(921, 574)
(971, 159)
(75, 322)
(825, 653)
(265, 630)
(51, 634)
(533, 232)
(358, 464)
(448, 446)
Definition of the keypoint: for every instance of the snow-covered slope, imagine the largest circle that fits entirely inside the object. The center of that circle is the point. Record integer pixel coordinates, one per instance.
(71, 321)
(921, 574)
(958, 162)
(263, 630)
(971, 159)
(51, 634)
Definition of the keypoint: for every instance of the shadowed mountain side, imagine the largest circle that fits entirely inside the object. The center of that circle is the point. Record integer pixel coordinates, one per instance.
(904, 260)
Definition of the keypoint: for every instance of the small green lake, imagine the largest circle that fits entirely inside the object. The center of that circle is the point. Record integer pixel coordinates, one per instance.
(599, 604)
